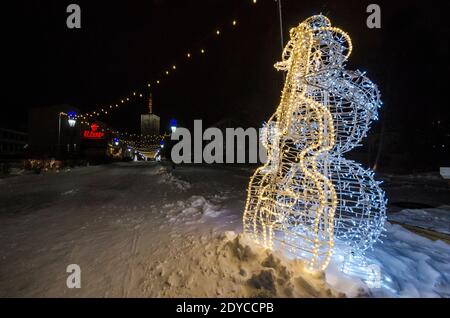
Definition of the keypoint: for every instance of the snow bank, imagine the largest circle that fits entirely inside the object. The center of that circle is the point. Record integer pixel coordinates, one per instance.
(435, 219)
(230, 265)
(165, 177)
(416, 176)
(196, 208)
(411, 265)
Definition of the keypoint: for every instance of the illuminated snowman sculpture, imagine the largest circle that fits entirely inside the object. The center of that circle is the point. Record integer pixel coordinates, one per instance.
(307, 197)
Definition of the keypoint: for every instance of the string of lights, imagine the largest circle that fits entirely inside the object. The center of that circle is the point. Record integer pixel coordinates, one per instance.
(153, 84)
(129, 139)
(157, 81)
(138, 94)
(87, 118)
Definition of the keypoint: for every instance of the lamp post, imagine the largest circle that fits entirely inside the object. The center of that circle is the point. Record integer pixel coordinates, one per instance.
(173, 125)
(280, 17)
(71, 119)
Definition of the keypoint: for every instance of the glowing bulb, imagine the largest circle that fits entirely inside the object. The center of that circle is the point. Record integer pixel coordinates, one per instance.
(202, 51)
(234, 22)
(72, 122)
(188, 55)
(218, 32)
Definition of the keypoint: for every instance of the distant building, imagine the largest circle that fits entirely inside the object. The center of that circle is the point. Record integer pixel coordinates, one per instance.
(52, 136)
(150, 123)
(12, 143)
(97, 142)
(49, 131)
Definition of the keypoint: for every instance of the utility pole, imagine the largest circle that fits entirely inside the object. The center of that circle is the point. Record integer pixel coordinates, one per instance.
(58, 149)
(280, 14)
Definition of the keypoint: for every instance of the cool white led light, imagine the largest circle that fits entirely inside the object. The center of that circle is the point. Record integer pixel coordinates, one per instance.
(307, 196)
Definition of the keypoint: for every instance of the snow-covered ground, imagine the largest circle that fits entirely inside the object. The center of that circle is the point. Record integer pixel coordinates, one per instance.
(143, 230)
(436, 219)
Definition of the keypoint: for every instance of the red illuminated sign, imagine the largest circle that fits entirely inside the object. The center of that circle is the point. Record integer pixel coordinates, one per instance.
(93, 133)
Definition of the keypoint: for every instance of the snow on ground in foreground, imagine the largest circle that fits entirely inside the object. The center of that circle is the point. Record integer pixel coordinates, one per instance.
(230, 265)
(411, 266)
(191, 211)
(144, 230)
(436, 219)
(167, 178)
(234, 266)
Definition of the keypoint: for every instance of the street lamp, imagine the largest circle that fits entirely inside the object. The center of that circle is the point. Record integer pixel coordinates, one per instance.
(173, 125)
(72, 119)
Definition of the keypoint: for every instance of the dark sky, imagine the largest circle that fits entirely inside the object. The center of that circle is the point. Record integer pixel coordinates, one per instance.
(124, 44)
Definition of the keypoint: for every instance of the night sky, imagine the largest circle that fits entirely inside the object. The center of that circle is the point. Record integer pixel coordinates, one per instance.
(124, 45)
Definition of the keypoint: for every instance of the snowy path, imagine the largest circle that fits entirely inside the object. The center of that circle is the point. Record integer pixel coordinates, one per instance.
(111, 220)
(142, 230)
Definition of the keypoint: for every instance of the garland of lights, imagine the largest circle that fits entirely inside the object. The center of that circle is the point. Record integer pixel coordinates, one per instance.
(87, 118)
(307, 198)
(105, 110)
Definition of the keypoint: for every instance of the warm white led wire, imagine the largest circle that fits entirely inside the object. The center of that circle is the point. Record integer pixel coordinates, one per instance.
(307, 196)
